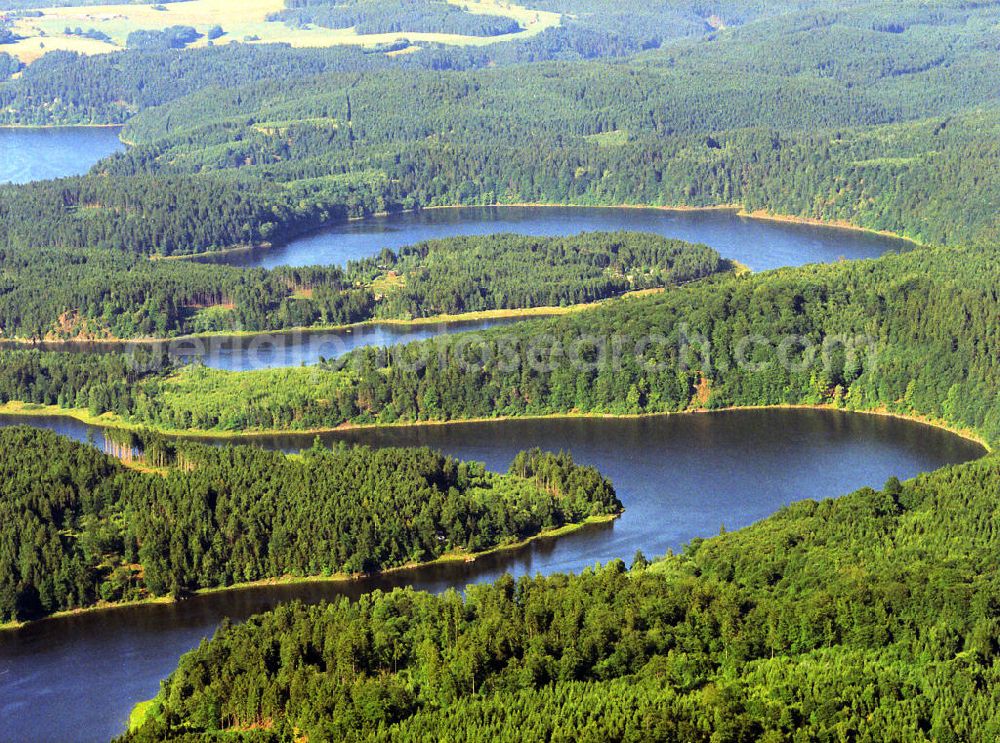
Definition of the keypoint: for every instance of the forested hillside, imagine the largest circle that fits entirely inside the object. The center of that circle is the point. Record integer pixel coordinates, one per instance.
(871, 617)
(66, 87)
(470, 274)
(77, 527)
(915, 332)
(84, 294)
(877, 334)
(885, 119)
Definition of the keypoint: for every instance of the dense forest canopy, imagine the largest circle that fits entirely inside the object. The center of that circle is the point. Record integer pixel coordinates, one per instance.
(78, 527)
(885, 119)
(80, 293)
(394, 16)
(8, 66)
(870, 617)
(577, 30)
(470, 274)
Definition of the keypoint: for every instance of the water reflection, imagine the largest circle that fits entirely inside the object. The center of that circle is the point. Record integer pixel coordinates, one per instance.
(39, 154)
(278, 349)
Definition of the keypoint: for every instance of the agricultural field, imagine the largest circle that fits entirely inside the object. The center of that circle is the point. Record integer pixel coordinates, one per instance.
(106, 28)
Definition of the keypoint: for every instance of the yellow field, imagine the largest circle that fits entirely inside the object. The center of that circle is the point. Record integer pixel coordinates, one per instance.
(239, 19)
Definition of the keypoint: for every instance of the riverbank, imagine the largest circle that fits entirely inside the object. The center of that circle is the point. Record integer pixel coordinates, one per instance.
(963, 433)
(838, 224)
(551, 205)
(61, 126)
(290, 580)
(738, 209)
(466, 317)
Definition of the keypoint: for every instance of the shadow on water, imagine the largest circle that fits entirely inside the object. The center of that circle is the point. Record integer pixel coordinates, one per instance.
(278, 349)
(75, 678)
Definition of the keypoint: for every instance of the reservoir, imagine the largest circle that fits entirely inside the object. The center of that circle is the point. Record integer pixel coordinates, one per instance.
(76, 678)
(759, 244)
(278, 349)
(56, 152)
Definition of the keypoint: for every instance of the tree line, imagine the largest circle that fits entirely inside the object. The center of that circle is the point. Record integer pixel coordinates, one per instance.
(394, 16)
(876, 334)
(70, 88)
(869, 126)
(78, 527)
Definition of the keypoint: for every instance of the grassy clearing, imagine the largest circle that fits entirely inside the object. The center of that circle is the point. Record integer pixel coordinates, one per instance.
(15, 407)
(616, 138)
(242, 20)
(30, 48)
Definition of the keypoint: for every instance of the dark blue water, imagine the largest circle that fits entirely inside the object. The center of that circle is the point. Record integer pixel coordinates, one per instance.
(40, 154)
(759, 244)
(76, 678)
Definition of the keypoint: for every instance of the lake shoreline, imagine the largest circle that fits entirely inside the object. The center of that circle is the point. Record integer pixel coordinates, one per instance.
(737, 209)
(837, 224)
(107, 421)
(62, 126)
(288, 580)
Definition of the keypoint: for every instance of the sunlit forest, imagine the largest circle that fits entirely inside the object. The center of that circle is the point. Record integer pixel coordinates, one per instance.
(79, 527)
(872, 616)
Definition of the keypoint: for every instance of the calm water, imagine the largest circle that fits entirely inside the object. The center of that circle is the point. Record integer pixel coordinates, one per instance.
(759, 244)
(679, 477)
(273, 350)
(77, 678)
(39, 154)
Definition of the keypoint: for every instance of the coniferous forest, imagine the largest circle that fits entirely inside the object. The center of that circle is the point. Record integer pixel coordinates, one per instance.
(390, 16)
(78, 527)
(873, 616)
(869, 617)
(885, 118)
(877, 334)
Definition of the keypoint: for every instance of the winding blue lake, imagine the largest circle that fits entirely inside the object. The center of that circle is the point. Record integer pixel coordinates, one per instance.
(39, 154)
(76, 678)
(759, 244)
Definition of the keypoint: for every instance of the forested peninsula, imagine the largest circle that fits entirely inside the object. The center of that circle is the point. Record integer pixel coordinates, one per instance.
(869, 617)
(78, 528)
(887, 130)
(92, 294)
(873, 616)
